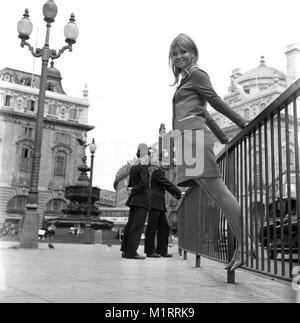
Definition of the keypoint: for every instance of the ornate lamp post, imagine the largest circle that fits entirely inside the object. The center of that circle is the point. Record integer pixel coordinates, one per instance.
(30, 223)
(88, 232)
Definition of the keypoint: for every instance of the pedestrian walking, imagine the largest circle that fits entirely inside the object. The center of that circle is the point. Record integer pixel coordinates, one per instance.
(50, 233)
(194, 91)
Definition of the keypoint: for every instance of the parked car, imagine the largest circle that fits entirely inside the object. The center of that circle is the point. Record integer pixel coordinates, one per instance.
(276, 227)
(283, 206)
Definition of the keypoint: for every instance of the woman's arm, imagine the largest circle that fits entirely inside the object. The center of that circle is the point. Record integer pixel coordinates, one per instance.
(159, 176)
(217, 131)
(205, 89)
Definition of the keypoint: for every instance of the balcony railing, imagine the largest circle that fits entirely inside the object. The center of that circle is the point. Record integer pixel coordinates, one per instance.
(261, 168)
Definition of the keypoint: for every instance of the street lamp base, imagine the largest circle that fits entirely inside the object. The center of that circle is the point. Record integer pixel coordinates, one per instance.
(89, 235)
(30, 229)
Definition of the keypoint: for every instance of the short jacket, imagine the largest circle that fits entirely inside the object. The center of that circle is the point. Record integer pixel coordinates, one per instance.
(159, 185)
(139, 181)
(190, 105)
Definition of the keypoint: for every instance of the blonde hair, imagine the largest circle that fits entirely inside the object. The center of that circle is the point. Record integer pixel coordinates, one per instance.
(185, 42)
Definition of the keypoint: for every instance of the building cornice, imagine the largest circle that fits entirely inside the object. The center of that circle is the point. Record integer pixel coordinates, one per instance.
(49, 95)
(47, 120)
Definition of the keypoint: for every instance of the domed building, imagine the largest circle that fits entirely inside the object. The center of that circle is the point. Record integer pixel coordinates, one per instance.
(251, 92)
(261, 78)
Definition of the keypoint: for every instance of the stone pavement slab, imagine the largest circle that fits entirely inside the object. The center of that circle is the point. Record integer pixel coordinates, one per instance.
(74, 273)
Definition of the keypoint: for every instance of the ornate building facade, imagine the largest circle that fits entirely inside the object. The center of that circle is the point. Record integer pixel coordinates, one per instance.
(65, 121)
(120, 185)
(107, 199)
(250, 93)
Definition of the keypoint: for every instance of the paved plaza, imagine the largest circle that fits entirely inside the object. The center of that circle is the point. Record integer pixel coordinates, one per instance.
(73, 273)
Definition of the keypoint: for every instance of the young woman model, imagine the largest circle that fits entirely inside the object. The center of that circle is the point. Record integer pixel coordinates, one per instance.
(194, 91)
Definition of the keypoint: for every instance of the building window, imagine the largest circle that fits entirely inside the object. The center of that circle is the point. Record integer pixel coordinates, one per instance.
(26, 159)
(52, 110)
(31, 104)
(8, 100)
(28, 132)
(63, 138)
(50, 87)
(60, 164)
(27, 81)
(17, 204)
(73, 114)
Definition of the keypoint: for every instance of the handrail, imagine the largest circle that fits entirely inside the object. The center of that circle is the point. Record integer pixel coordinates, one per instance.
(285, 97)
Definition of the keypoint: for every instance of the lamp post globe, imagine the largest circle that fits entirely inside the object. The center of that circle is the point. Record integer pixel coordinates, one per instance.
(25, 26)
(49, 11)
(93, 147)
(71, 30)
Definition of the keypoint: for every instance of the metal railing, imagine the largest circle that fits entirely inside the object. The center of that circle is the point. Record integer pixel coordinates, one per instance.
(261, 168)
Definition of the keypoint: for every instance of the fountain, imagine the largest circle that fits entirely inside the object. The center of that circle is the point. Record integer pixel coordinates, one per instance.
(77, 209)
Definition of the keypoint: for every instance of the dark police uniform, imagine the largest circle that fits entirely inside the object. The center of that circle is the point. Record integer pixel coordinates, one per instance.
(139, 204)
(157, 222)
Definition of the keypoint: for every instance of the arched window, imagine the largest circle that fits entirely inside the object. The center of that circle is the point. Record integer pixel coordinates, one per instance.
(17, 204)
(60, 165)
(55, 206)
(28, 81)
(50, 87)
(73, 114)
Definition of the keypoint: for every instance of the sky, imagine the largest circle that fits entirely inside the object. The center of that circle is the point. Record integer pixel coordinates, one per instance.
(122, 55)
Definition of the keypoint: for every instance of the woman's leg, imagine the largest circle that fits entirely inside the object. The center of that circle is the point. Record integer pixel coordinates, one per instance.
(226, 201)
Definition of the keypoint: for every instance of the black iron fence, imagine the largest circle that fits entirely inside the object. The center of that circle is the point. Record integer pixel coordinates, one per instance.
(261, 168)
